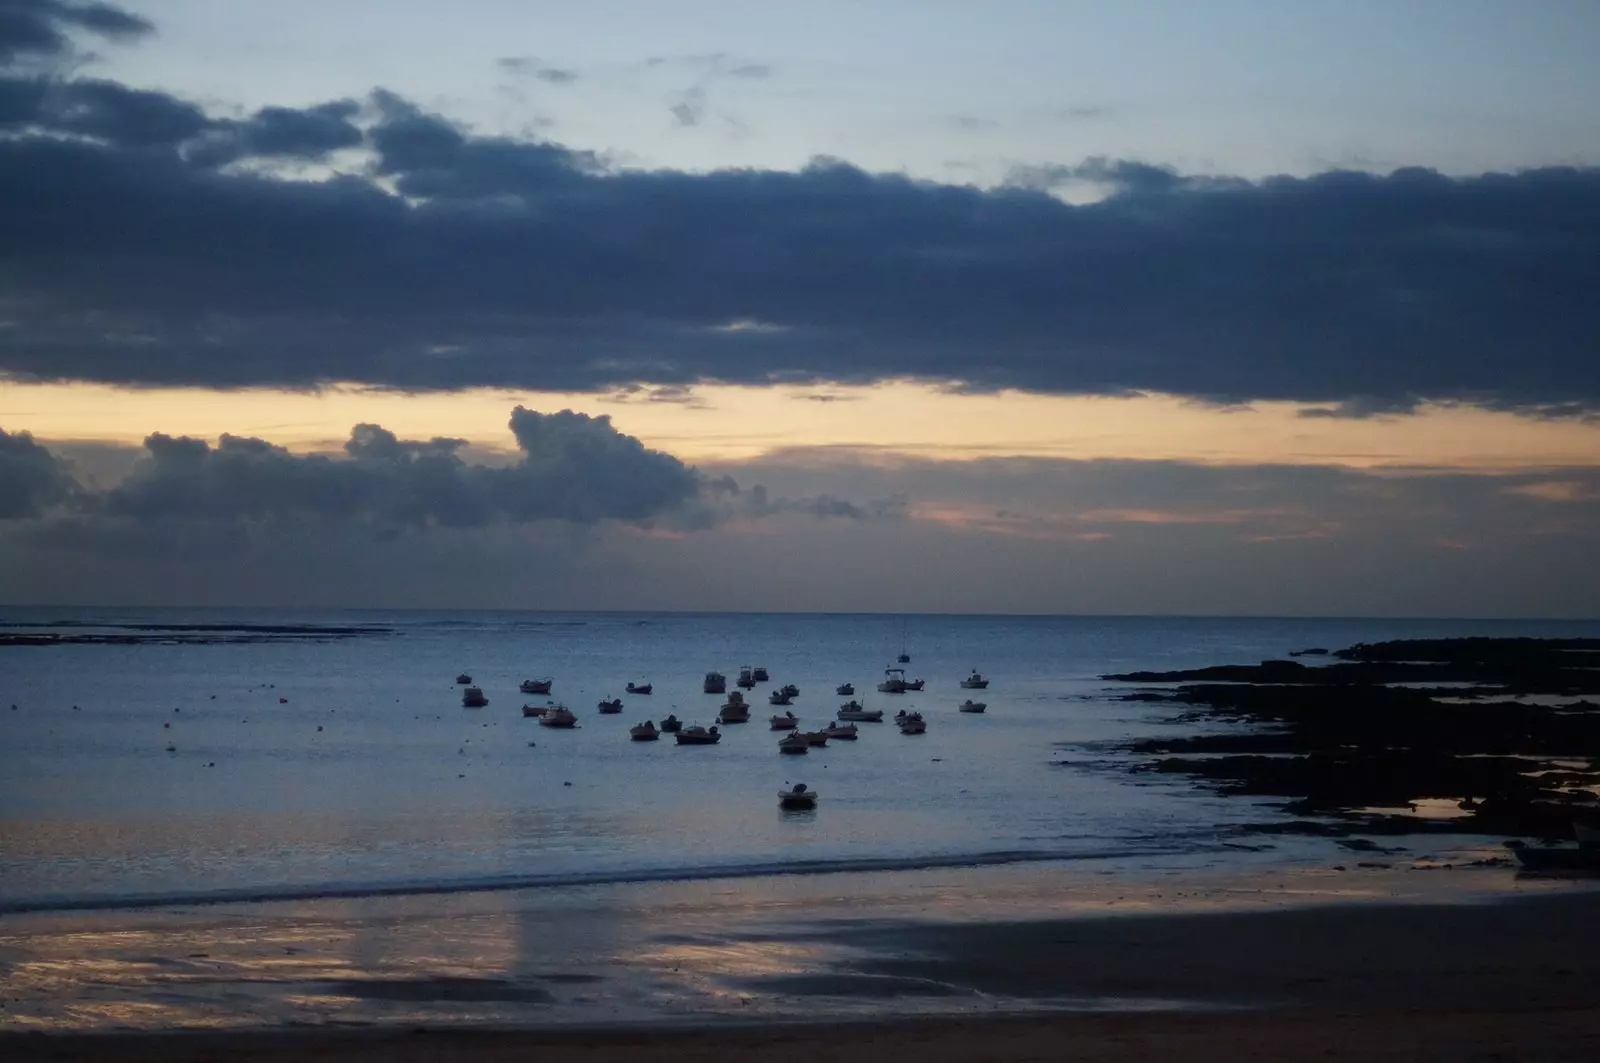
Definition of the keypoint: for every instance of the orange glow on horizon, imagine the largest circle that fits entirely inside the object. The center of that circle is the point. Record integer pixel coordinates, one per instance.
(722, 423)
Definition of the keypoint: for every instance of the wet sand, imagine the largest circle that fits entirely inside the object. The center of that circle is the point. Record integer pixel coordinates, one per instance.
(1507, 980)
(1238, 1038)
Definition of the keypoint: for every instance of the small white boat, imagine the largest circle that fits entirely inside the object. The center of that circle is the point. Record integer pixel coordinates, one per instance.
(853, 710)
(537, 686)
(911, 723)
(746, 678)
(716, 683)
(972, 706)
(639, 688)
(845, 690)
(644, 732)
(558, 716)
(787, 722)
(472, 698)
(778, 697)
(797, 797)
(699, 736)
(975, 681)
(610, 706)
(846, 731)
(759, 674)
(794, 744)
(671, 725)
(894, 681)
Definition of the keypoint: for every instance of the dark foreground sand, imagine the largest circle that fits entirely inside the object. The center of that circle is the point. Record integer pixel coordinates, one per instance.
(1517, 980)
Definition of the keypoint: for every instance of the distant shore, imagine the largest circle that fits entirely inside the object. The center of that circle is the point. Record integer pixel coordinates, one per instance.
(1368, 981)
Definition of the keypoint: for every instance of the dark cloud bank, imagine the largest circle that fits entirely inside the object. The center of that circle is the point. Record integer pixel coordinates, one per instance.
(145, 241)
(570, 467)
(585, 517)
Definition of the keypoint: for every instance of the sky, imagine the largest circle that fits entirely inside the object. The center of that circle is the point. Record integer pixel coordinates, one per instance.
(1049, 307)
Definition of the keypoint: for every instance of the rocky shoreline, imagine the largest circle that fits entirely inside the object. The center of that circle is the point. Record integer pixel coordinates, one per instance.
(1496, 736)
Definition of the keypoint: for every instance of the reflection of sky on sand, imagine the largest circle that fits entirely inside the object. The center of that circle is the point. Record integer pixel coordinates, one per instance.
(754, 948)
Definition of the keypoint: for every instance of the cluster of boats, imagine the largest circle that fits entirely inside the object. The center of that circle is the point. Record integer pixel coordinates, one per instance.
(736, 710)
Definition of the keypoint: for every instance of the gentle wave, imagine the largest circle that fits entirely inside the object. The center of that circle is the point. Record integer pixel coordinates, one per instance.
(267, 894)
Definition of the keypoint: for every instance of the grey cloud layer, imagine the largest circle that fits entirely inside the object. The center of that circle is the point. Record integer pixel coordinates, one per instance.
(571, 467)
(43, 27)
(394, 522)
(31, 478)
(132, 254)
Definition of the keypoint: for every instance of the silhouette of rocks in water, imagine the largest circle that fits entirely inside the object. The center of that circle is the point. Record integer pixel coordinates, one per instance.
(1342, 744)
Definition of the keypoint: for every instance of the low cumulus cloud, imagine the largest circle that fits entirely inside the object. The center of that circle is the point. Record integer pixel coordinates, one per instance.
(570, 467)
(32, 479)
(134, 255)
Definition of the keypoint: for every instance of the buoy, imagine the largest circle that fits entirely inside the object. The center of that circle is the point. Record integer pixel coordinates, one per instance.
(319, 727)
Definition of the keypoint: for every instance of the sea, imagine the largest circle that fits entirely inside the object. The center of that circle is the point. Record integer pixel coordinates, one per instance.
(198, 756)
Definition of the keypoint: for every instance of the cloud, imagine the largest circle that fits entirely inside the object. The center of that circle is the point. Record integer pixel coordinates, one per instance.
(42, 28)
(311, 134)
(31, 478)
(569, 467)
(414, 522)
(533, 67)
(460, 260)
(572, 467)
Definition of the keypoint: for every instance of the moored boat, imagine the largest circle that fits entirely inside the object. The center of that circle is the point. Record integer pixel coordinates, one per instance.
(911, 723)
(816, 738)
(699, 736)
(644, 732)
(790, 689)
(779, 697)
(759, 674)
(671, 725)
(463, 679)
(797, 796)
(915, 684)
(846, 731)
(894, 681)
(787, 722)
(972, 706)
(537, 686)
(716, 683)
(610, 706)
(975, 681)
(746, 678)
(853, 710)
(794, 744)
(558, 716)
(533, 710)
(472, 698)
(640, 688)
(845, 690)
(734, 710)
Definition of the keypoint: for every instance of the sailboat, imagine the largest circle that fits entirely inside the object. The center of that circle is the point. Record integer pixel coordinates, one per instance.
(904, 658)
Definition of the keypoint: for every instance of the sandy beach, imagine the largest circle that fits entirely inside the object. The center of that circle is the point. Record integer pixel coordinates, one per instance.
(1510, 979)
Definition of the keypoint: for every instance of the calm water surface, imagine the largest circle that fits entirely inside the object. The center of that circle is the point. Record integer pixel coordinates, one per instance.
(371, 777)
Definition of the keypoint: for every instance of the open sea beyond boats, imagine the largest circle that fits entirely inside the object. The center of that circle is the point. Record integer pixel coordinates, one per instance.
(206, 755)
